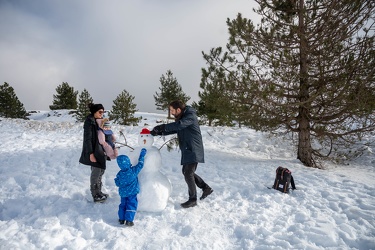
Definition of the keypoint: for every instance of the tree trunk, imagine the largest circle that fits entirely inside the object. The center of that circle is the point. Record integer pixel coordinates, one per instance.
(304, 143)
(304, 153)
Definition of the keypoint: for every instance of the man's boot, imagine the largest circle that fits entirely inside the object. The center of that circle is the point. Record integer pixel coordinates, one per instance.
(189, 203)
(206, 192)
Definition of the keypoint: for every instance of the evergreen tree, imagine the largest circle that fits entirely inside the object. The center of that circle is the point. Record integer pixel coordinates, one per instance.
(10, 106)
(170, 90)
(66, 97)
(307, 67)
(123, 110)
(215, 104)
(83, 101)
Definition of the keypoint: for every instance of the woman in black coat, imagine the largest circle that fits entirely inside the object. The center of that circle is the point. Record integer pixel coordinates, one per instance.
(92, 152)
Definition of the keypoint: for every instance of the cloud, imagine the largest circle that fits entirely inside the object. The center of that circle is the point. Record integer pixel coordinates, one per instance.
(108, 46)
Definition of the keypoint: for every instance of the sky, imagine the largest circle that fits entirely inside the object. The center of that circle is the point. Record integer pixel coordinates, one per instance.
(106, 47)
(45, 202)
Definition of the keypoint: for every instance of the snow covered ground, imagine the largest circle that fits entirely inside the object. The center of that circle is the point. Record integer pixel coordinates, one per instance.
(45, 201)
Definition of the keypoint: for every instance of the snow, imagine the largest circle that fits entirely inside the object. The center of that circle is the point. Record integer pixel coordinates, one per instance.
(45, 201)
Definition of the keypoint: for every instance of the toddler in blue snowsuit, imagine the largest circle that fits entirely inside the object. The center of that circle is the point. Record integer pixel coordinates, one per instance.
(127, 181)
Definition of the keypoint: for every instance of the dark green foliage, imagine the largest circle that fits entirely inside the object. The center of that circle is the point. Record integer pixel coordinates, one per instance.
(308, 67)
(123, 110)
(215, 104)
(66, 97)
(10, 106)
(83, 101)
(170, 90)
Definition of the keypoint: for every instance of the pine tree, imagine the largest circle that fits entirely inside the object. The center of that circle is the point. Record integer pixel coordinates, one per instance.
(10, 106)
(215, 104)
(123, 110)
(170, 90)
(66, 97)
(307, 67)
(83, 101)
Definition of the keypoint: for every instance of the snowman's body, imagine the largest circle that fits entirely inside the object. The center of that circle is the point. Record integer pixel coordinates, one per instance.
(155, 187)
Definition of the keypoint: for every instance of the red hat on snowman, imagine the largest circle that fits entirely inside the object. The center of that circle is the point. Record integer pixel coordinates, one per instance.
(145, 138)
(145, 131)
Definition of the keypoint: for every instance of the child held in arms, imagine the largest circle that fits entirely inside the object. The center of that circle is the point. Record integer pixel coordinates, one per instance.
(107, 138)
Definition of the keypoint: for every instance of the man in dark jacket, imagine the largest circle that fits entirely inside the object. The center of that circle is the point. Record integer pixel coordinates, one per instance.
(92, 152)
(190, 141)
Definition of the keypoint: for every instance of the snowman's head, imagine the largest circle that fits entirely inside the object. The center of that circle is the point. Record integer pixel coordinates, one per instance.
(145, 139)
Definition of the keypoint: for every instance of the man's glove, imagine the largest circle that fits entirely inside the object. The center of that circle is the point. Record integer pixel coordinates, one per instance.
(158, 130)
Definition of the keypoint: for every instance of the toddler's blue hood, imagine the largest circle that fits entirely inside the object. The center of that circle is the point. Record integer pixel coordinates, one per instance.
(123, 162)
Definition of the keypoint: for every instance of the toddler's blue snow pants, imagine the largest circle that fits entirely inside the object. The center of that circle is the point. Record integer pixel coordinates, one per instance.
(128, 208)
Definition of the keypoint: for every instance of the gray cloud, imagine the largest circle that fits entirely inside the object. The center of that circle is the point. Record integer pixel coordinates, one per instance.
(109, 46)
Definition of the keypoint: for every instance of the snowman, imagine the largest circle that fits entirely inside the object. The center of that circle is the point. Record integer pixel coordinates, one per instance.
(155, 187)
